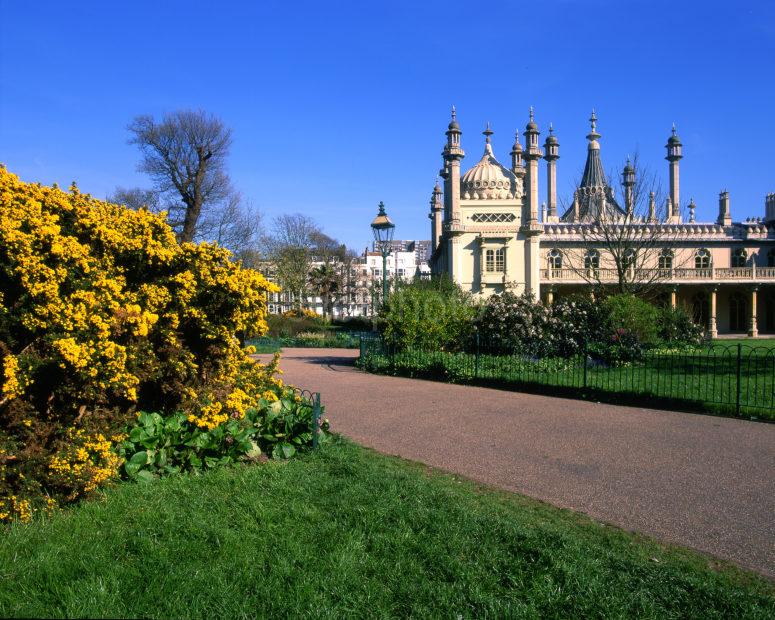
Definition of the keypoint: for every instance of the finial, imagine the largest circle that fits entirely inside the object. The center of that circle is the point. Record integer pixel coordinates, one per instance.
(673, 128)
(593, 120)
(381, 208)
(551, 128)
(531, 112)
(487, 133)
(454, 112)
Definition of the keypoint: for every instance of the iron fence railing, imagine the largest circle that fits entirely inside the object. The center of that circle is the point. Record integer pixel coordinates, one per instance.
(313, 400)
(737, 379)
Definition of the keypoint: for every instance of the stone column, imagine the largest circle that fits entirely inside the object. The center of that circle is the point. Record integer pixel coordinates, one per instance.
(753, 328)
(712, 328)
(549, 295)
(674, 297)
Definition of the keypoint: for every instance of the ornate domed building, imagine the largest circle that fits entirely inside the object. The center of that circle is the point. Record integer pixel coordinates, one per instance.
(490, 236)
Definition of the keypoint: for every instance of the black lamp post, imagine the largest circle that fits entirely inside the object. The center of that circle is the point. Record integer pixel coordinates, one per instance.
(383, 235)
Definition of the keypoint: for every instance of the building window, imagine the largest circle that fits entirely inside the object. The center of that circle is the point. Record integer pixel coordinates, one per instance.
(738, 313)
(592, 259)
(739, 257)
(700, 309)
(555, 259)
(401, 272)
(702, 259)
(666, 259)
(495, 260)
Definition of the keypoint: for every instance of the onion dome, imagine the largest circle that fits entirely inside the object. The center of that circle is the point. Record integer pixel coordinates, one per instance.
(531, 124)
(674, 139)
(551, 138)
(453, 123)
(488, 179)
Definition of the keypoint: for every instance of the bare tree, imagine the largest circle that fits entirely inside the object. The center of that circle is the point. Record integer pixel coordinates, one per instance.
(185, 156)
(628, 249)
(136, 198)
(290, 246)
(234, 224)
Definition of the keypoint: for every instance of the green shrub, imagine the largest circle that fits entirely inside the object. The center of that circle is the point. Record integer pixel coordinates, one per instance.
(428, 315)
(290, 326)
(632, 315)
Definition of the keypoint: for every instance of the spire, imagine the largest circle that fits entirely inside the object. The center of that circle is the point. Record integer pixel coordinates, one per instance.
(487, 142)
(692, 207)
(594, 175)
(592, 136)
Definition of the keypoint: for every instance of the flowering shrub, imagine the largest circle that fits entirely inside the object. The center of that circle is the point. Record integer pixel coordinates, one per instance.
(515, 323)
(103, 314)
(677, 327)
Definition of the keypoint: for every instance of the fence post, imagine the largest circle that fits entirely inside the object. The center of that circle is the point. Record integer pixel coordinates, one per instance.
(476, 358)
(739, 363)
(315, 420)
(584, 353)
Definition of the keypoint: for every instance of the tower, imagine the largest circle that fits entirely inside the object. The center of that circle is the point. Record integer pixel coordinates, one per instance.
(674, 155)
(532, 155)
(628, 182)
(769, 208)
(453, 153)
(437, 206)
(530, 226)
(517, 163)
(552, 154)
(724, 211)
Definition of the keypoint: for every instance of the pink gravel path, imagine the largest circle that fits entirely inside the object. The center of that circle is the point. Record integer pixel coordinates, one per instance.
(698, 481)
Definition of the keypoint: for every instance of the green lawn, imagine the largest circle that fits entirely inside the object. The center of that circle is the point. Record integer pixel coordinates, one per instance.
(346, 532)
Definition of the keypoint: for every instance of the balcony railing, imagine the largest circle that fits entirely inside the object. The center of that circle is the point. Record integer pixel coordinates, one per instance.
(679, 274)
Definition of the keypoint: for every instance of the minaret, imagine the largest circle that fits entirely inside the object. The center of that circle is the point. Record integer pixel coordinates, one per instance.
(453, 153)
(628, 182)
(652, 208)
(724, 211)
(437, 206)
(517, 163)
(674, 155)
(452, 156)
(552, 154)
(532, 155)
(531, 227)
(769, 208)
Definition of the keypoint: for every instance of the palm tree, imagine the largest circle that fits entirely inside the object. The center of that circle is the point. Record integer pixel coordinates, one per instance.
(325, 281)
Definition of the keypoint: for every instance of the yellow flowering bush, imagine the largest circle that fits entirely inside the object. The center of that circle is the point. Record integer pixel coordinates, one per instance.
(102, 315)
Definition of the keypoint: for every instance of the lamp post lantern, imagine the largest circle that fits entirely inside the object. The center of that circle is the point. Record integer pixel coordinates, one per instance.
(383, 236)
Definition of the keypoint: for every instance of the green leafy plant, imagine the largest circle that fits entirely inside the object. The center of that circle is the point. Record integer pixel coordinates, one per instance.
(159, 445)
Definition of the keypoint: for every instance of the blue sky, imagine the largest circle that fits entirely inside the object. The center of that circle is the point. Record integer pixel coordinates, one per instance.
(338, 105)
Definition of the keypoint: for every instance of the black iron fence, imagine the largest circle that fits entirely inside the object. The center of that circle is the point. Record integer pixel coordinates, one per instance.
(733, 379)
(313, 400)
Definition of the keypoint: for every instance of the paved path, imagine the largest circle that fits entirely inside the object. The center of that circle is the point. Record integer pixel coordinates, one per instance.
(698, 481)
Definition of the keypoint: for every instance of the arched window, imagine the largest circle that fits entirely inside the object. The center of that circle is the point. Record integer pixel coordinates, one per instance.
(500, 260)
(771, 258)
(592, 259)
(739, 257)
(702, 259)
(666, 259)
(555, 259)
(738, 313)
(495, 260)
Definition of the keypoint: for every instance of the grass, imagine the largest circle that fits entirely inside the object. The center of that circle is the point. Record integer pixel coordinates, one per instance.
(346, 532)
(703, 379)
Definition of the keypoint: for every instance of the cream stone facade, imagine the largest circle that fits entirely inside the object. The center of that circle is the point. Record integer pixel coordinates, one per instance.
(489, 234)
